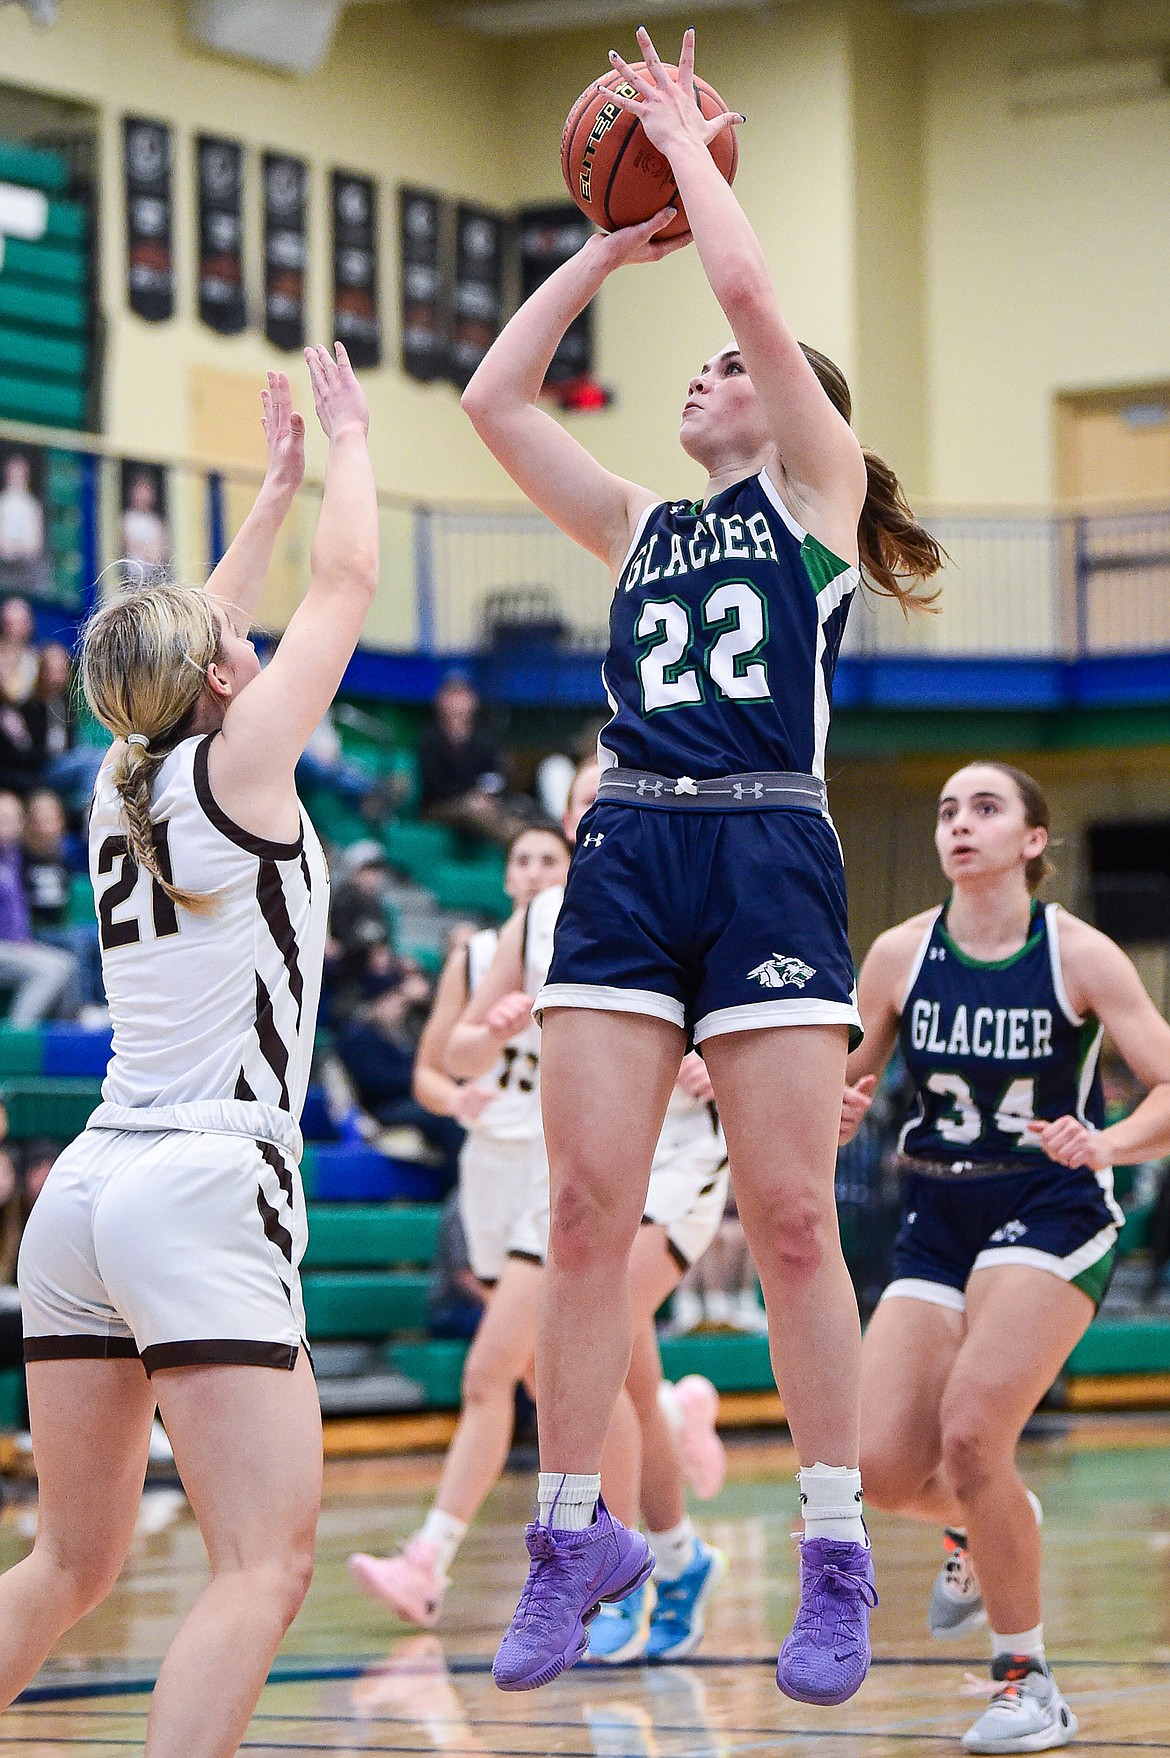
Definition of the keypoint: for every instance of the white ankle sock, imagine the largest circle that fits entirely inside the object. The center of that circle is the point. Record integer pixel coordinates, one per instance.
(575, 1497)
(1029, 1642)
(830, 1502)
(446, 1533)
(674, 1551)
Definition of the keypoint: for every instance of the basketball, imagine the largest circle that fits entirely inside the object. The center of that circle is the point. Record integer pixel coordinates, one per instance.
(613, 173)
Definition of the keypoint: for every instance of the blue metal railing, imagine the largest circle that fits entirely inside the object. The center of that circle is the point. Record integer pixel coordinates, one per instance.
(1043, 587)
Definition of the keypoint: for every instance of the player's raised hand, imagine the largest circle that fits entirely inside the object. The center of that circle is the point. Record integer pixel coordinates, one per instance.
(510, 1016)
(339, 399)
(1070, 1142)
(630, 244)
(855, 1102)
(284, 430)
(665, 107)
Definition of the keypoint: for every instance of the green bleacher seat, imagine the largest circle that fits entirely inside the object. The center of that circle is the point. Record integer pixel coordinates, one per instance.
(365, 1303)
(13, 1409)
(474, 887)
(34, 399)
(417, 847)
(370, 1235)
(40, 308)
(59, 1109)
(27, 351)
(732, 1361)
(1112, 1346)
(80, 907)
(437, 1366)
(21, 1051)
(32, 259)
(38, 167)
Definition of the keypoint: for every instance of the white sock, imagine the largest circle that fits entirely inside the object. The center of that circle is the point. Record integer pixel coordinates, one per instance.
(830, 1502)
(669, 1405)
(446, 1533)
(674, 1551)
(575, 1498)
(1029, 1642)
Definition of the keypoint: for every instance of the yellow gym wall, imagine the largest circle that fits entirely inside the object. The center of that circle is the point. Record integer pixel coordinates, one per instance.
(962, 261)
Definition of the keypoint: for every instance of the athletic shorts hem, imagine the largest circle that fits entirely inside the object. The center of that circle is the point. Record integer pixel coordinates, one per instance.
(68, 1348)
(607, 998)
(757, 1015)
(933, 1293)
(1067, 1268)
(220, 1352)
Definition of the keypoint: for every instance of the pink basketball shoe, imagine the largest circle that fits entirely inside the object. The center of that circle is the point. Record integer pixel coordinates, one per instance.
(410, 1584)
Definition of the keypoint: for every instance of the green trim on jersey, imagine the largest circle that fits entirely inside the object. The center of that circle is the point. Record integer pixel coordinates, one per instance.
(820, 564)
(1095, 1280)
(1035, 934)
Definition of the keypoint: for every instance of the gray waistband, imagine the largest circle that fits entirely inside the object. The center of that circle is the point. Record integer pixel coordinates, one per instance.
(910, 1163)
(724, 793)
(246, 1117)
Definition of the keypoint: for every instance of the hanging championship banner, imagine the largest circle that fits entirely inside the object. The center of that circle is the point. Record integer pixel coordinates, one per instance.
(479, 284)
(356, 319)
(548, 237)
(221, 234)
(424, 328)
(149, 258)
(285, 186)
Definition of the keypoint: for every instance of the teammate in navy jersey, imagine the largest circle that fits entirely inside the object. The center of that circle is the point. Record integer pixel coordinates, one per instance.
(706, 897)
(999, 1004)
(160, 1264)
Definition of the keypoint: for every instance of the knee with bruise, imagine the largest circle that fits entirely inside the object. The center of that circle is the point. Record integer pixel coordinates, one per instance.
(582, 1231)
(798, 1234)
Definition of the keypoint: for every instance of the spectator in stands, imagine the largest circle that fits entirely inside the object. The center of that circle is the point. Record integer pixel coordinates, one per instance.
(44, 977)
(463, 775)
(48, 877)
(19, 660)
(455, 1296)
(24, 565)
(378, 1054)
(359, 948)
(144, 536)
(69, 767)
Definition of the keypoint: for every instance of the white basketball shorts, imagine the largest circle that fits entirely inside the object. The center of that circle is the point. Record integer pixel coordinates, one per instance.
(688, 1186)
(180, 1247)
(503, 1201)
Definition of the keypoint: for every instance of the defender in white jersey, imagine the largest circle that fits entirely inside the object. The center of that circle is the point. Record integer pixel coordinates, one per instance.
(160, 1263)
(503, 1171)
(643, 1452)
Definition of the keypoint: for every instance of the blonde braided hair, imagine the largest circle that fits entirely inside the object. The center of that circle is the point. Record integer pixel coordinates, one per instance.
(144, 660)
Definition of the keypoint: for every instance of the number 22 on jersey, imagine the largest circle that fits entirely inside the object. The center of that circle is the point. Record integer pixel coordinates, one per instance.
(673, 672)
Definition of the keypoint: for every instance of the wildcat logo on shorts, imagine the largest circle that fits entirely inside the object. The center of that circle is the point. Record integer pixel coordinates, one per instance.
(1009, 1233)
(778, 972)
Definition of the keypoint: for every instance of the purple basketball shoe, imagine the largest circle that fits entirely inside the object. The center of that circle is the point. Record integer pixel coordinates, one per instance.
(825, 1657)
(571, 1573)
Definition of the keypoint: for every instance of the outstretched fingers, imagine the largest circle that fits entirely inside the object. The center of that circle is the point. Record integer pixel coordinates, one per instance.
(652, 58)
(644, 87)
(686, 62)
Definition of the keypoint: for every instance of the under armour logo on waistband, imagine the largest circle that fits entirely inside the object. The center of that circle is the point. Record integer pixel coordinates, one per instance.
(748, 790)
(593, 840)
(650, 784)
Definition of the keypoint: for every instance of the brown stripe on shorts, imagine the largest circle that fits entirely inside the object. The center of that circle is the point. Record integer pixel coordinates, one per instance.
(80, 1349)
(219, 1352)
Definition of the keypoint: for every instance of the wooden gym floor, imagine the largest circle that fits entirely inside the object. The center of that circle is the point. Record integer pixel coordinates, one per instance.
(348, 1682)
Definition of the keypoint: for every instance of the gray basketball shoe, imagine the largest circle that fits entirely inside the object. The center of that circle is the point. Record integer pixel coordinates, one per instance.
(1027, 1713)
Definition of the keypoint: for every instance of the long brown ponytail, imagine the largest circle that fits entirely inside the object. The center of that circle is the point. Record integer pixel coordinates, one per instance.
(894, 547)
(144, 660)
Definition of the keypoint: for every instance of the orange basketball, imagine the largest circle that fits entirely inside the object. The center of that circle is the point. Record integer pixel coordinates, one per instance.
(613, 173)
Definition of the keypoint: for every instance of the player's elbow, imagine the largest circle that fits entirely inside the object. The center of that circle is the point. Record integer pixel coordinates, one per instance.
(745, 288)
(355, 573)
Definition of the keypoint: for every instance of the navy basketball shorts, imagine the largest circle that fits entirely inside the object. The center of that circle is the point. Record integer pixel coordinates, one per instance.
(1052, 1218)
(719, 921)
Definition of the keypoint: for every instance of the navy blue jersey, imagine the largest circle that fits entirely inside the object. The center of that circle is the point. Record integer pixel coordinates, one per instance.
(723, 638)
(990, 1046)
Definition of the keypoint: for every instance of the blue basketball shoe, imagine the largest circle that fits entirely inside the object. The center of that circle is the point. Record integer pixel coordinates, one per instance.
(677, 1621)
(621, 1629)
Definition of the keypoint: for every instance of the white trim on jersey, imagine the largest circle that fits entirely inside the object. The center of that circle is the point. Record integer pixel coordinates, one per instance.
(1050, 913)
(777, 500)
(919, 959)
